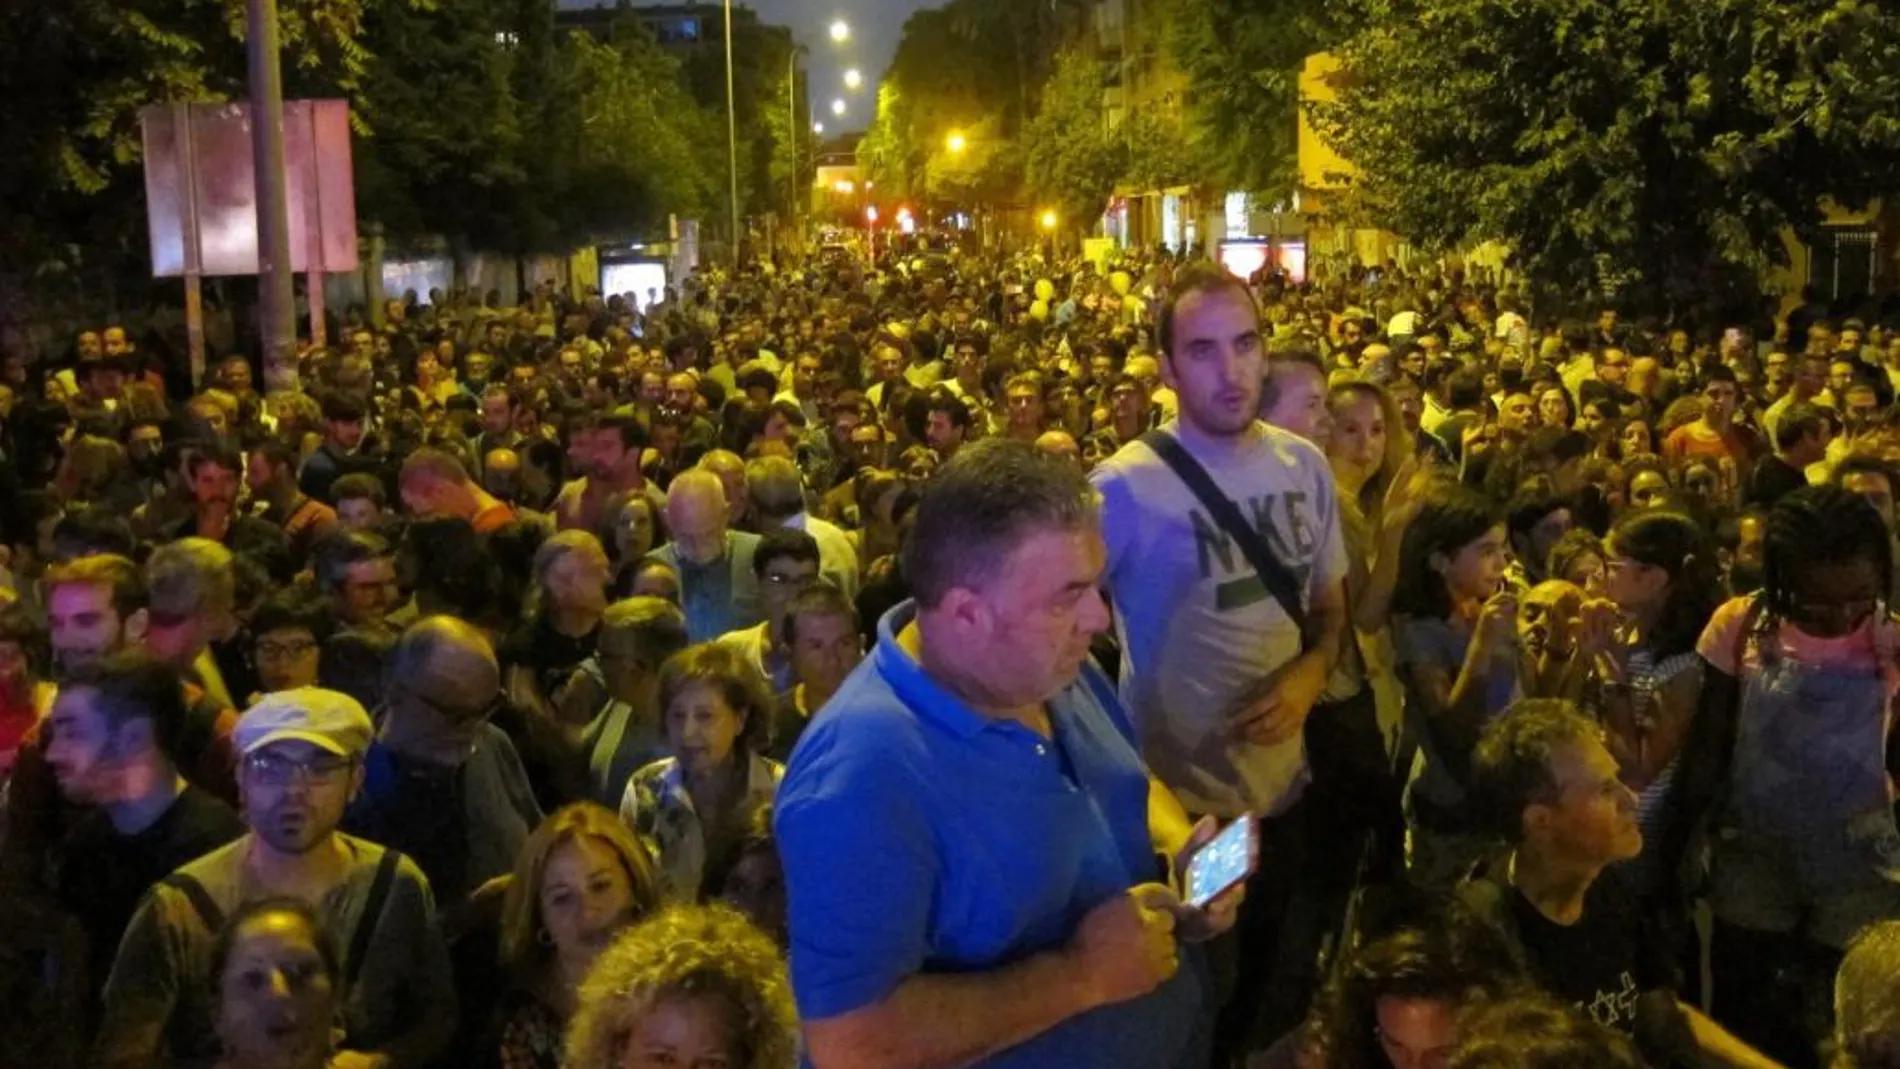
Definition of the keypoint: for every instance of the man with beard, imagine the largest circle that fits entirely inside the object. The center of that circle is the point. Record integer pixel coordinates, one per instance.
(612, 450)
(117, 736)
(214, 472)
(302, 760)
(337, 456)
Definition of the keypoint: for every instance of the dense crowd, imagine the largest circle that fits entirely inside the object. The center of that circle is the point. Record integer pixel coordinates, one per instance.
(847, 663)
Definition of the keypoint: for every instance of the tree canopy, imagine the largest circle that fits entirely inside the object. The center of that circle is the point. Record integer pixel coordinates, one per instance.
(1071, 159)
(1621, 148)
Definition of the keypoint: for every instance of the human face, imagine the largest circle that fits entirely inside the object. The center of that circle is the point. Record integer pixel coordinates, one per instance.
(498, 416)
(1476, 568)
(345, 434)
(1876, 489)
(214, 484)
(825, 651)
(235, 376)
(258, 472)
(1216, 363)
(1593, 421)
(1041, 611)
(1592, 816)
(358, 513)
(1025, 409)
(83, 748)
(586, 898)
(577, 581)
(89, 346)
(1612, 366)
(276, 1001)
(681, 392)
(1834, 598)
(1586, 571)
(657, 582)
(1547, 618)
(1840, 375)
(286, 659)
(1810, 375)
(1860, 408)
(83, 624)
(115, 343)
(942, 433)
(369, 591)
(294, 794)
(1299, 402)
(683, 1032)
(805, 375)
(1553, 409)
(702, 728)
(1633, 585)
(1358, 438)
(1515, 413)
(633, 531)
(890, 364)
(1636, 438)
(1416, 1033)
(1648, 488)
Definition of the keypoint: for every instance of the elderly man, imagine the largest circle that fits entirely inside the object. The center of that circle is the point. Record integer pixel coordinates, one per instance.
(719, 590)
(441, 783)
(973, 874)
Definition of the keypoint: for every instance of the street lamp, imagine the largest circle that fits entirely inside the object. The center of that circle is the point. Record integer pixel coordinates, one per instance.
(817, 128)
(840, 31)
(837, 107)
(1048, 219)
(853, 79)
(732, 137)
(956, 142)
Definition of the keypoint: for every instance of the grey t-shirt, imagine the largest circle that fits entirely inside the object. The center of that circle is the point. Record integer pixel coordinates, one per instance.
(159, 998)
(1198, 627)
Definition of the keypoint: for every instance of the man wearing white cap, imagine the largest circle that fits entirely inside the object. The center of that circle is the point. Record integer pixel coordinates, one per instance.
(300, 761)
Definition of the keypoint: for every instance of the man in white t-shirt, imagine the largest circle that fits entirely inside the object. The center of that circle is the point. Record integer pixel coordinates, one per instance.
(1217, 674)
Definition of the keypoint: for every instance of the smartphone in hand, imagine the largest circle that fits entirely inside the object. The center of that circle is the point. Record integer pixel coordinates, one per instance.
(1224, 861)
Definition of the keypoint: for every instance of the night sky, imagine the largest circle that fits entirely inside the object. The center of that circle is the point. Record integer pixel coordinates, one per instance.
(875, 26)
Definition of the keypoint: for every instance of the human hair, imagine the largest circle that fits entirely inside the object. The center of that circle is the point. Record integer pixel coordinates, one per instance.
(293, 609)
(1819, 525)
(335, 555)
(1867, 1001)
(188, 577)
(776, 488)
(434, 463)
(632, 435)
(656, 628)
(340, 407)
(1451, 958)
(783, 543)
(556, 548)
(521, 924)
(1576, 543)
(1528, 509)
(360, 485)
(820, 599)
(1280, 360)
(738, 683)
(1866, 464)
(1398, 444)
(117, 574)
(93, 530)
(1677, 544)
(452, 572)
(203, 453)
(275, 453)
(982, 504)
(1510, 767)
(1452, 519)
(133, 685)
(274, 906)
(1533, 1031)
(955, 408)
(1196, 278)
(687, 952)
(1799, 420)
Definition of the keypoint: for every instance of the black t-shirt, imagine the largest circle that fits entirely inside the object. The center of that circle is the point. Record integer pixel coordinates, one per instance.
(102, 874)
(1774, 478)
(1600, 964)
(550, 655)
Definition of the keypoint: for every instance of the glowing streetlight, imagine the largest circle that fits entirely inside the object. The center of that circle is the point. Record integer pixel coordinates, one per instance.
(853, 78)
(956, 142)
(840, 31)
(837, 107)
(870, 213)
(845, 187)
(1048, 219)
(817, 128)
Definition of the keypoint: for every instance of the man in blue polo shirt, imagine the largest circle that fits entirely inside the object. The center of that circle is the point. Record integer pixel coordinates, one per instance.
(965, 826)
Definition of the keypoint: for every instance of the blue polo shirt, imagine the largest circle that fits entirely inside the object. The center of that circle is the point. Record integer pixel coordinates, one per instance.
(919, 836)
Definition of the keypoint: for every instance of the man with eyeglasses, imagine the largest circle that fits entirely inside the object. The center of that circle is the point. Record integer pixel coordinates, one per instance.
(302, 754)
(441, 783)
(786, 563)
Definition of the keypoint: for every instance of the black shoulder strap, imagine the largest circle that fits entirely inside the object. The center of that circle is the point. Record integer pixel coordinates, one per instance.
(1275, 576)
(208, 912)
(372, 915)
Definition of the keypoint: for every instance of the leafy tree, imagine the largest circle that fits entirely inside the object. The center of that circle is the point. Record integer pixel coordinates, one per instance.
(1649, 152)
(1071, 159)
(1242, 59)
(642, 136)
(1160, 154)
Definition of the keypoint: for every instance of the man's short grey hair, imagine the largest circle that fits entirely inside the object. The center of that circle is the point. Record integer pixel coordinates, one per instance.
(655, 627)
(776, 490)
(984, 503)
(188, 577)
(1867, 1001)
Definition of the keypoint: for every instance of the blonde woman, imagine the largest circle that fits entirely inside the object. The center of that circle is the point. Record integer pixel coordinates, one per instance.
(694, 986)
(581, 879)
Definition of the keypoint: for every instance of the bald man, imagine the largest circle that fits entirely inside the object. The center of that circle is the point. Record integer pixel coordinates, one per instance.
(434, 483)
(501, 473)
(730, 469)
(1061, 444)
(718, 589)
(441, 783)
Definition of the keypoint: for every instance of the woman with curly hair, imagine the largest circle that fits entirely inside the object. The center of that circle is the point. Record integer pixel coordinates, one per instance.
(694, 986)
(581, 879)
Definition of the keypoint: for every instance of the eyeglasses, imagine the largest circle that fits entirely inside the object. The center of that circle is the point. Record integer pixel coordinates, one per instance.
(798, 582)
(270, 651)
(278, 770)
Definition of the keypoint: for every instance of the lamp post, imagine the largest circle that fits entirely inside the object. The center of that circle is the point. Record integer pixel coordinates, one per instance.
(791, 132)
(277, 307)
(732, 138)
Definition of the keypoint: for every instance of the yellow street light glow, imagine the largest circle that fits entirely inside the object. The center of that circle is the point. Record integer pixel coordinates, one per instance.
(853, 79)
(956, 142)
(1049, 220)
(841, 31)
(845, 187)
(837, 107)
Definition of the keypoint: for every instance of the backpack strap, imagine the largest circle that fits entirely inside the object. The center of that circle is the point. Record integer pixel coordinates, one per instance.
(371, 917)
(201, 901)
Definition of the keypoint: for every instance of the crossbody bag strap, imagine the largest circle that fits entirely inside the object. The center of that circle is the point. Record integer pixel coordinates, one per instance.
(1274, 575)
(371, 917)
